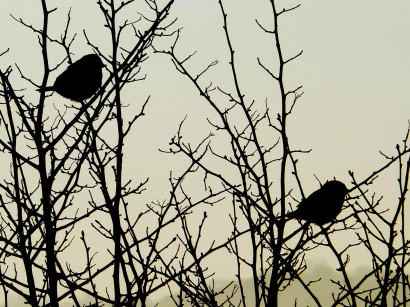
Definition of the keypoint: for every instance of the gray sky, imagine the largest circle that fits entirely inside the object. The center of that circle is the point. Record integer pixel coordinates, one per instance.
(355, 72)
(355, 69)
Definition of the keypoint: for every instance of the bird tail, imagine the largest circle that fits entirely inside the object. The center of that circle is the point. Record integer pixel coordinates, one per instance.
(45, 89)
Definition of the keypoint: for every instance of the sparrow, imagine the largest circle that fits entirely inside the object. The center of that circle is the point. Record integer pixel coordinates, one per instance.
(323, 205)
(80, 80)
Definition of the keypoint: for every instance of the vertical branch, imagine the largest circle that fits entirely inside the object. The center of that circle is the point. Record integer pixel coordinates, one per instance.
(277, 242)
(44, 52)
(114, 206)
(46, 182)
(404, 258)
(404, 187)
(236, 251)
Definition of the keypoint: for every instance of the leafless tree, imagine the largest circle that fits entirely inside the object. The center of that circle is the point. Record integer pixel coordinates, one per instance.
(262, 197)
(67, 173)
(59, 156)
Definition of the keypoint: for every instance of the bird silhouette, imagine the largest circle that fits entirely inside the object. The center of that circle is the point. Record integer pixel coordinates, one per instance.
(323, 205)
(80, 80)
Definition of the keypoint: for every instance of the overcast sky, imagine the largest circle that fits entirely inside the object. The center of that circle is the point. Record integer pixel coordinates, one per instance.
(355, 72)
(355, 69)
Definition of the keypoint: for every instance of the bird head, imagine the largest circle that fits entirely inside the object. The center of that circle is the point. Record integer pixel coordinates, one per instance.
(93, 60)
(336, 187)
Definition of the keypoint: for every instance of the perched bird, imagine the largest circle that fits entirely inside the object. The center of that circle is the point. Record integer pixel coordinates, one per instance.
(323, 205)
(80, 80)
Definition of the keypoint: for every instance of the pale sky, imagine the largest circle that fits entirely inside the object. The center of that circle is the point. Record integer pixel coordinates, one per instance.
(355, 72)
(355, 69)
